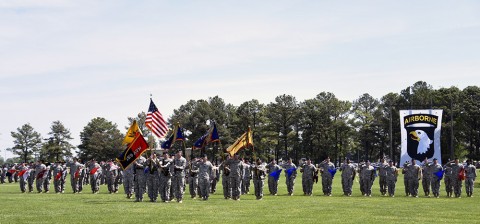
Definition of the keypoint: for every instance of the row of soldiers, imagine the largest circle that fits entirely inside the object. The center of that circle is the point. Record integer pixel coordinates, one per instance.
(167, 176)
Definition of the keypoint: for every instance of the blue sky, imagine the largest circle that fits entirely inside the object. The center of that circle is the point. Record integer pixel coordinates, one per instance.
(76, 60)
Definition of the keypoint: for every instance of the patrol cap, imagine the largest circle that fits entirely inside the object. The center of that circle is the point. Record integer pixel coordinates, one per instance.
(435, 159)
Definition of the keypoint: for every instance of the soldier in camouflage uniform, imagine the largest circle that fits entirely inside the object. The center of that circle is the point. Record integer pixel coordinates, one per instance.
(204, 175)
(415, 175)
(382, 180)
(193, 177)
(391, 176)
(448, 179)
(47, 179)
(236, 168)
(40, 175)
(247, 176)
(31, 177)
(259, 171)
(227, 190)
(58, 177)
(435, 180)
(406, 177)
(95, 175)
(140, 180)
(308, 170)
(153, 181)
(73, 169)
(23, 183)
(178, 180)
(368, 177)
(79, 176)
(456, 180)
(348, 175)
(327, 178)
(128, 185)
(272, 183)
(215, 178)
(166, 169)
(426, 177)
(111, 173)
(290, 175)
(470, 174)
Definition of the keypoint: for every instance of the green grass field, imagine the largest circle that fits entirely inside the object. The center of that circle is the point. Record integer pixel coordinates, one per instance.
(16, 207)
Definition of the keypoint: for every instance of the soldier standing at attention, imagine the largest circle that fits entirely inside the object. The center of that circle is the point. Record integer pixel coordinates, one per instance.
(214, 179)
(235, 177)
(179, 164)
(31, 177)
(247, 176)
(40, 171)
(471, 174)
(193, 177)
(165, 177)
(435, 180)
(111, 174)
(326, 167)
(382, 173)
(368, 177)
(448, 179)
(73, 169)
(415, 175)
(227, 190)
(456, 177)
(290, 175)
(406, 177)
(272, 182)
(391, 177)
(95, 174)
(204, 175)
(308, 171)
(23, 182)
(58, 177)
(140, 179)
(348, 175)
(426, 177)
(153, 164)
(128, 176)
(259, 171)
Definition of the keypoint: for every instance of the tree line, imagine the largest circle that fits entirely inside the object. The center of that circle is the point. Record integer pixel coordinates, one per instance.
(364, 129)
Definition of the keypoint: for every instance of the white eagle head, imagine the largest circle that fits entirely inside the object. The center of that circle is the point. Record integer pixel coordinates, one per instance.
(423, 141)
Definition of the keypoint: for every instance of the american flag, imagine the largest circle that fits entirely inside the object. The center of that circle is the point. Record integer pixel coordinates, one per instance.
(155, 121)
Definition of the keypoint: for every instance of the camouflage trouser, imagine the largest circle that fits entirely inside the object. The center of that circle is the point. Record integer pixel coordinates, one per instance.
(367, 186)
(227, 191)
(413, 185)
(128, 184)
(426, 185)
(46, 184)
(290, 182)
(327, 185)
(193, 185)
(79, 184)
(23, 185)
(95, 182)
(111, 183)
(448, 184)
(165, 185)
(57, 184)
(213, 185)
(383, 184)
(246, 185)
(140, 181)
(435, 183)
(307, 184)
(39, 184)
(178, 184)
(31, 180)
(391, 187)
(407, 186)
(258, 185)
(347, 183)
(272, 185)
(74, 183)
(469, 186)
(204, 184)
(153, 185)
(235, 185)
(457, 187)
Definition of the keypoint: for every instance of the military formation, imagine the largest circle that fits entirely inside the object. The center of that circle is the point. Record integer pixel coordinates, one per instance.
(165, 177)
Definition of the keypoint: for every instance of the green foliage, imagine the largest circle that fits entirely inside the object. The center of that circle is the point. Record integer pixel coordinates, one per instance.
(26, 142)
(57, 146)
(100, 140)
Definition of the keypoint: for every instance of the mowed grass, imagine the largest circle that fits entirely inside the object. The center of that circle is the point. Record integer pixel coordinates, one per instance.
(16, 207)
